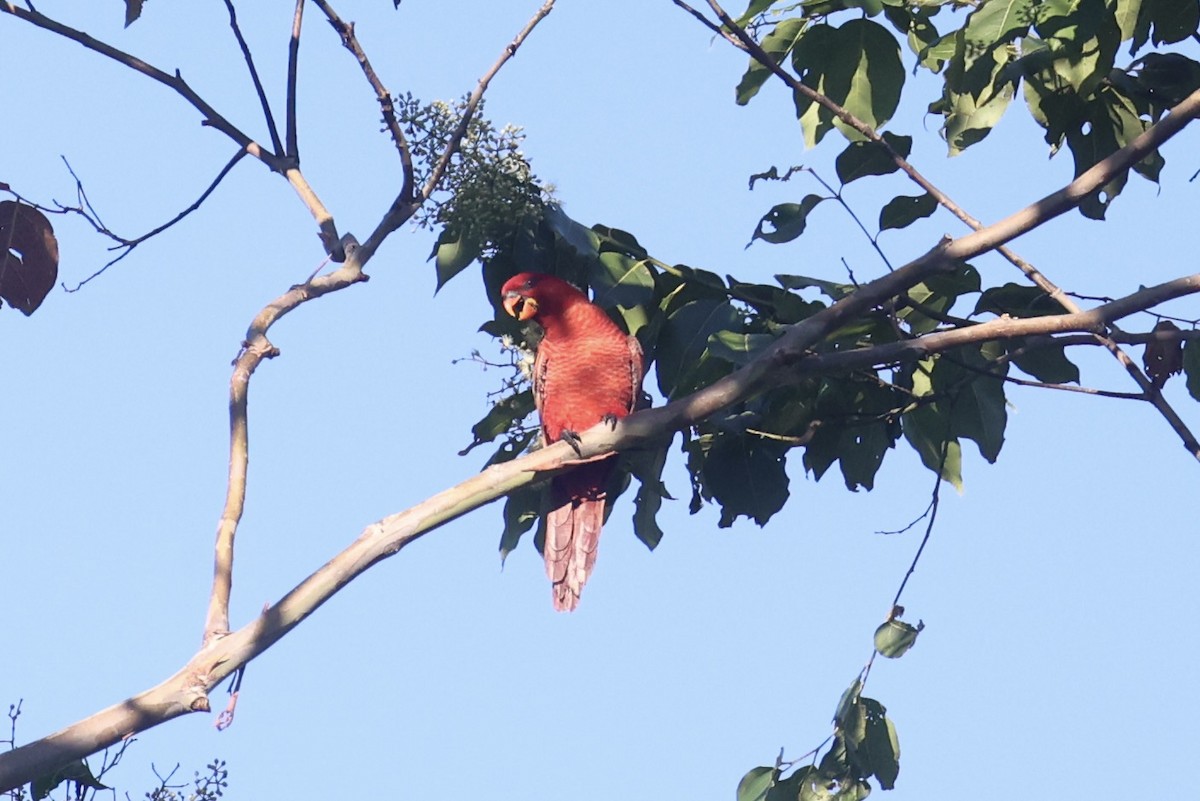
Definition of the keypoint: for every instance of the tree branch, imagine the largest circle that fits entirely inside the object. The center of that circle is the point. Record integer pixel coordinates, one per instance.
(402, 210)
(276, 143)
(345, 32)
(1187, 110)
(293, 144)
(258, 347)
(276, 162)
(187, 690)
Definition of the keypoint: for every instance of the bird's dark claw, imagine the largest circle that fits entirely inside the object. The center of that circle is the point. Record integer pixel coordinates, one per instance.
(571, 438)
(610, 419)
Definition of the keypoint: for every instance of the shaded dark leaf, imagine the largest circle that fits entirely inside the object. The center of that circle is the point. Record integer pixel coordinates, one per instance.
(684, 340)
(1163, 357)
(500, 418)
(830, 289)
(133, 10)
(861, 159)
(787, 220)
(1016, 300)
(904, 210)
(521, 509)
(1049, 364)
(1191, 366)
(746, 476)
(77, 771)
(647, 466)
(28, 258)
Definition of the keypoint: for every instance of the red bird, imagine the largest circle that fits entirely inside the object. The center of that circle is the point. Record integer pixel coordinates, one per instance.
(586, 370)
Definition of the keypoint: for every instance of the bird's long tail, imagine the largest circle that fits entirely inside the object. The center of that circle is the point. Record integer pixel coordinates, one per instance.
(573, 522)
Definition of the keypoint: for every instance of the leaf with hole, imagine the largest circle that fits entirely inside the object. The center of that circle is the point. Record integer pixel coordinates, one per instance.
(786, 220)
(29, 257)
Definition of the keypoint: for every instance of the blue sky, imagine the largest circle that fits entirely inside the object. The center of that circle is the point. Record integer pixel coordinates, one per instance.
(1057, 591)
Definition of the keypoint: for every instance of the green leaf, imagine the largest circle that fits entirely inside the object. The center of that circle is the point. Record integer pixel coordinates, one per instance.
(620, 241)
(928, 429)
(903, 210)
(755, 784)
(787, 220)
(648, 466)
(830, 289)
(817, 48)
(1172, 20)
(894, 637)
(978, 410)
(1016, 300)
(1127, 13)
(521, 509)
(582, 239)
(737, 348)
(976, 97)
(778, 43)
(746, 476)
(755, 8)
(1191, 367)
(1049, 364)
(873, 90)
(500, 418)
(683, 343)
(861, 453)
(996, 21)
(879, 751)
(76, 771)
(857, 66)
(925, 429)
(619, 280)
(452, 253)
(847, 702)
(863, 158)
(779, 305)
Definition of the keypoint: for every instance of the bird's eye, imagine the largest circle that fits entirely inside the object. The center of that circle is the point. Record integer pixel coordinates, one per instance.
(530, 283)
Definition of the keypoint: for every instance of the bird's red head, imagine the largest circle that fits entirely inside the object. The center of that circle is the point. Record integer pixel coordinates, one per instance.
(527, 295)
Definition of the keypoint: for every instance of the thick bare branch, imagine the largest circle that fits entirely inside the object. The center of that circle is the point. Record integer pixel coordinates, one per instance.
(187, 690)
(1188, 109)
(255, 348)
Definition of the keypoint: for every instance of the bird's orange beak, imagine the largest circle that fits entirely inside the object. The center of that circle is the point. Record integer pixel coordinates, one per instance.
(520, 307)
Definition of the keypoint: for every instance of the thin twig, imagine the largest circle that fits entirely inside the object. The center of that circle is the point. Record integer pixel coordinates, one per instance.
(401, 209)
(187, 690)
(1191, 111)
(127, 245)
(258, 87)
(386, 106)
(293, 143)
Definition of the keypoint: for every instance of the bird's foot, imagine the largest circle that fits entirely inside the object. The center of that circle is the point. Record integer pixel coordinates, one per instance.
(610, 419)
(571, 438)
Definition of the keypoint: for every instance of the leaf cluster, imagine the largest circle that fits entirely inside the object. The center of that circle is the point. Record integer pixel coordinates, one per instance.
(1060, 55)
(488, 187)
(696, 327)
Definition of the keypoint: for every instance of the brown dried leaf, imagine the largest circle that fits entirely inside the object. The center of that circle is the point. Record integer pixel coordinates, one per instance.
(28, 256)
(1163, 357)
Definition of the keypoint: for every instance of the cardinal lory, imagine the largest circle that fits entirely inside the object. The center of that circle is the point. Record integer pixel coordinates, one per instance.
(586, 370)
